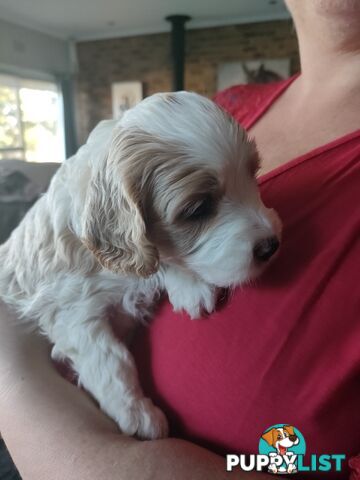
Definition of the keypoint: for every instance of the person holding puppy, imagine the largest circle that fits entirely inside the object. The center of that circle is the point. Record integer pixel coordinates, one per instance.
(285, 347)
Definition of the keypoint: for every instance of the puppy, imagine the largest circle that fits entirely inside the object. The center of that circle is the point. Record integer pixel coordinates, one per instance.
(163, 200)
(281, 439)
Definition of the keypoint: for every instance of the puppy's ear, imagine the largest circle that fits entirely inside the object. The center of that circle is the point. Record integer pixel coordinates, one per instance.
(289, 429)
(113, 225)
(269, 437)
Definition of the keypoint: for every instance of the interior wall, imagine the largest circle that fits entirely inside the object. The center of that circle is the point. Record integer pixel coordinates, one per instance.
(23, 49)
(148, 58)
(28, 53)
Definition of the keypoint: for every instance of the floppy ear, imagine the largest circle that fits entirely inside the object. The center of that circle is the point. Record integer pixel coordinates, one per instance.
(289, 429)
(269, 437)
(113, 226)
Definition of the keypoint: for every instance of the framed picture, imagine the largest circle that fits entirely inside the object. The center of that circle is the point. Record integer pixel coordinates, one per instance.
(124, 96)
(252, 71)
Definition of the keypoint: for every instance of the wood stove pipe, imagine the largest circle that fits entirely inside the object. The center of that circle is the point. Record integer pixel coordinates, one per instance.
(178, 48)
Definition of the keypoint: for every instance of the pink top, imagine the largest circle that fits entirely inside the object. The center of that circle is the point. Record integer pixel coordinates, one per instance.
(288, 348)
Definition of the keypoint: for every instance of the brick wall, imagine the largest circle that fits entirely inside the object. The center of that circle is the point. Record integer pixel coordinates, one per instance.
(148, 58)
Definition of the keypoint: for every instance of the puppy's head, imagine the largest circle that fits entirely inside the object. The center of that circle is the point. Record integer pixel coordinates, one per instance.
(281, 438)
(178, 186)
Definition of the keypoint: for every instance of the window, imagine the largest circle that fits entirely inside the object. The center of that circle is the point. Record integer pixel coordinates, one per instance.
(31, 123)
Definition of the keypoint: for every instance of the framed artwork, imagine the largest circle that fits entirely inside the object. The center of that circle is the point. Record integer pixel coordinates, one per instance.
(252, 71)
(124, 96)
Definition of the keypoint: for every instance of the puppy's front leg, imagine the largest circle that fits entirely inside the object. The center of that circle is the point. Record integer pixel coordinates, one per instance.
(107, 370)
(189, 293)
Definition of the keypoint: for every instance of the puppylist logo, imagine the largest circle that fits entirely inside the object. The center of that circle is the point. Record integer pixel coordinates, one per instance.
(283, 444)
(281, 451)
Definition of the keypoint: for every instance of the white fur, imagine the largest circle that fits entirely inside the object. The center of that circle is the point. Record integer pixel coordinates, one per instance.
(55, 281)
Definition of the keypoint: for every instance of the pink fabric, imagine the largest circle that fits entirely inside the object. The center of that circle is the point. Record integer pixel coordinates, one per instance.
(355, 468)
(287, 348)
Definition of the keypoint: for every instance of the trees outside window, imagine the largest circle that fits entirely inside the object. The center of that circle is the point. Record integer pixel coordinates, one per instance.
(31, 123)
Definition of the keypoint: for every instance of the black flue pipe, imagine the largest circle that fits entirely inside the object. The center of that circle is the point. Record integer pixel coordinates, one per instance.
(178, 48)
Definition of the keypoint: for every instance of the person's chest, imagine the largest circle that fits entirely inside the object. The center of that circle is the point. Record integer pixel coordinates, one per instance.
(284, 349)
(288, 131)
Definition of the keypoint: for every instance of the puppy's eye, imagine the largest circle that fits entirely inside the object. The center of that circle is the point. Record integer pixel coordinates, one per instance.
(199, 210)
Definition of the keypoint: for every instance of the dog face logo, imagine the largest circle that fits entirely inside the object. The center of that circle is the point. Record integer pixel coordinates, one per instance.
(281, 438)
(282, 443)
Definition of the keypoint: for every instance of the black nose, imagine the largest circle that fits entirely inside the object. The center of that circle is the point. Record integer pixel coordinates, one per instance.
(293, 438)
(266, 248)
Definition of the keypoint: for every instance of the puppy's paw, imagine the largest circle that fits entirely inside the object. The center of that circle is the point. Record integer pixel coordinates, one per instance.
(195, 299)
(189, 293)
(143, 419)
(291, 468)
(57, 355)
(272, 468)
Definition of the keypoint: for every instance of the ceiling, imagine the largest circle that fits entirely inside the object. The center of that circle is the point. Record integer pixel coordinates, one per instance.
(87, 19)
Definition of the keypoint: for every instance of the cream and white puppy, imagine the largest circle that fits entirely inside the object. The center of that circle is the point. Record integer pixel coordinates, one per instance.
(163, 200)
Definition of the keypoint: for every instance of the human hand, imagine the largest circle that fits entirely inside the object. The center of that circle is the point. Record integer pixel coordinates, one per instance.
(53, 430)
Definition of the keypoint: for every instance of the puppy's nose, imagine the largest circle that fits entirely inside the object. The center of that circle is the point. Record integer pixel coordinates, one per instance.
(266, 248)
(293, 438)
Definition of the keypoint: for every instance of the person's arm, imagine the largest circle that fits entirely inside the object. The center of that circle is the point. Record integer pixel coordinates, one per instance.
(53, 430)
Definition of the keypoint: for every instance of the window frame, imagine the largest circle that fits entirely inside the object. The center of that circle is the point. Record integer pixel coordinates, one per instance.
(17, 82)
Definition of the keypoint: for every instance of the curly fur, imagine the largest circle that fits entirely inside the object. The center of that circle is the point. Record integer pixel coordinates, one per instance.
(119, 225)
